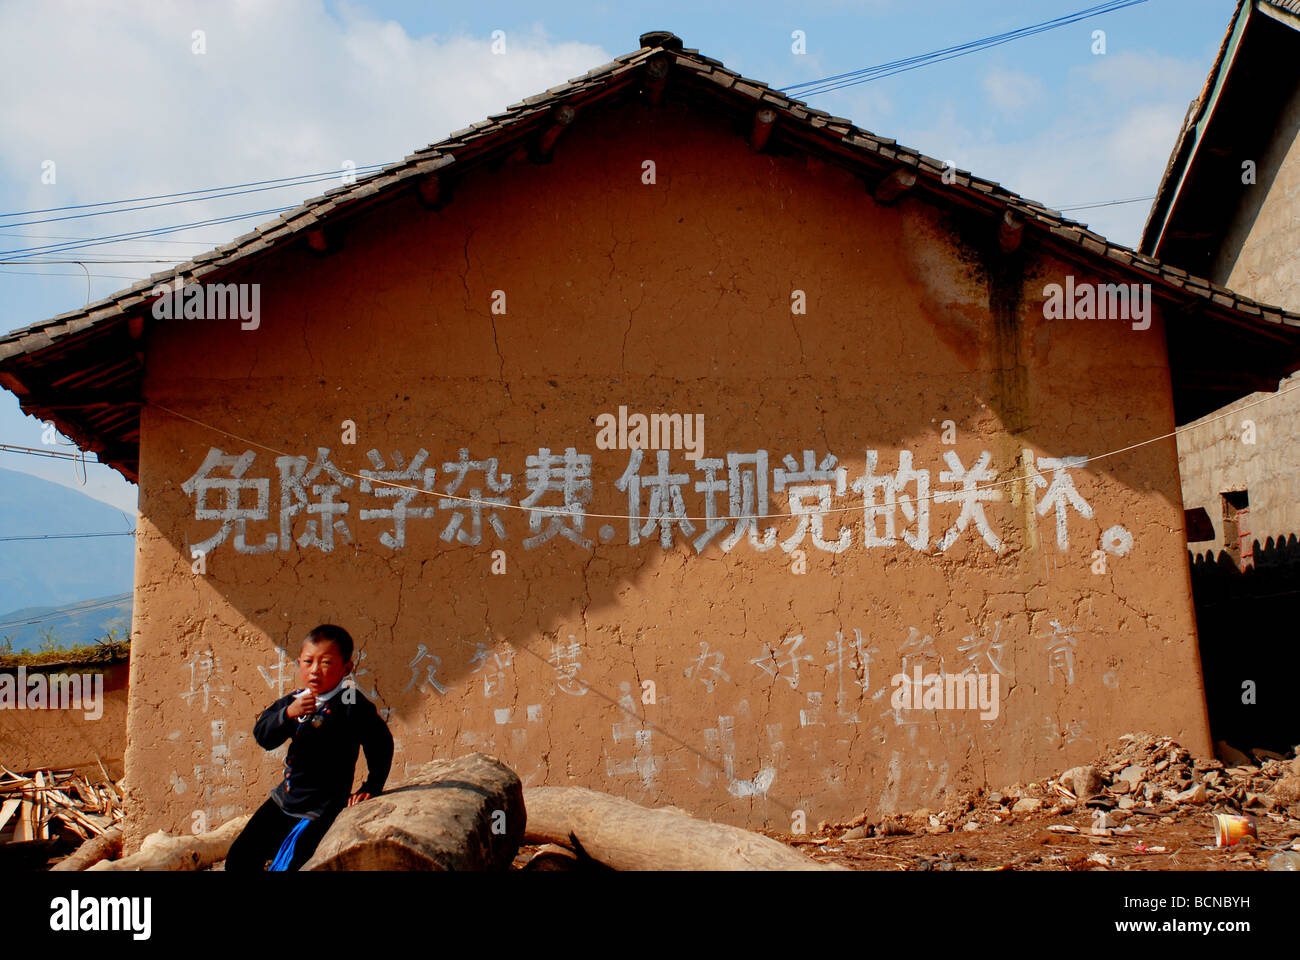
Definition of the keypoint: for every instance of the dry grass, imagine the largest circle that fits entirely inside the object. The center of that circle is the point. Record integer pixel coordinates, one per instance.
(94, 653)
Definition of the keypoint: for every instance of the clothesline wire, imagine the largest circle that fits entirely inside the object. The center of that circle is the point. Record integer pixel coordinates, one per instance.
(561, 512)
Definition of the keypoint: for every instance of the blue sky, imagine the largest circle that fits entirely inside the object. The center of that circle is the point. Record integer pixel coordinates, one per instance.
(118, 98)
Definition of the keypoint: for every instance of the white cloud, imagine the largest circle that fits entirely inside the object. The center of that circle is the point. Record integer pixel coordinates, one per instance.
(1106, 137)
(116, 97)
(1143, 139)
(1012, 91)
(1117, 76)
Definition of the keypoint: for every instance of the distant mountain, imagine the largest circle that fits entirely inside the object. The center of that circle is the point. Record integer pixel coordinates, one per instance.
(55, 573)
(71, 625)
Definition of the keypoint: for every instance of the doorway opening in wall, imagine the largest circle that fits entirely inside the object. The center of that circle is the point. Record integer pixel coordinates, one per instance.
(1237, 539)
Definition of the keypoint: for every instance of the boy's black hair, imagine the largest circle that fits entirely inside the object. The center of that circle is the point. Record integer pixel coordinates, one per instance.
(340, 637)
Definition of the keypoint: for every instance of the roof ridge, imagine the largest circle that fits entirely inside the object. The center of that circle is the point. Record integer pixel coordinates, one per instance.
(865, 154)
(441, 153)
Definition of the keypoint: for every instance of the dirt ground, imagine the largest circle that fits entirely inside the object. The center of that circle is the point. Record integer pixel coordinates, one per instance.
(1142, 804)
(1160, 838)
(1166, 838)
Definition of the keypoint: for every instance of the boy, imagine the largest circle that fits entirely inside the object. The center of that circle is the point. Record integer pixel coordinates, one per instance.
(327, 723)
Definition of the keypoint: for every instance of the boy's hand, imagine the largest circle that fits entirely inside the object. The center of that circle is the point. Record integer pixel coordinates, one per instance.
(303, 704)
(357, 798)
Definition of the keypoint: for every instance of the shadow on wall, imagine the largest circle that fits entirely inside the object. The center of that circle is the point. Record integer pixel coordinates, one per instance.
(1246, 619)
(994, 365)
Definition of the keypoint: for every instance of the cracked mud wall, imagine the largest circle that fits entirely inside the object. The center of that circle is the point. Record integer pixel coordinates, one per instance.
(78, 738)
(772, 688)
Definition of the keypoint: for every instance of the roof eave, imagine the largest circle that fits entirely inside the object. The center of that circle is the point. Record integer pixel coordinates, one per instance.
(1199, 114)
(802, 126)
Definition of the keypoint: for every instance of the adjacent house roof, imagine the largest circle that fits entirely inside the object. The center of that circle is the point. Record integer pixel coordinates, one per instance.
(1231, 121)
(83, 369)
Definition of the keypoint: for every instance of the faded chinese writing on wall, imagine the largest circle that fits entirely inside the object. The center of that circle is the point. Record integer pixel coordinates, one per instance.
(722, 500)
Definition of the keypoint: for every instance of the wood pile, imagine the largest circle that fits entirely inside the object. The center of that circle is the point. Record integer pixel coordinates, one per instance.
(160, 851)
(472, 813)
(49, 804)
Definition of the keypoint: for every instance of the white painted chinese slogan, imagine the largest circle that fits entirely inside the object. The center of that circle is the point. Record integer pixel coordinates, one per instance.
(722, 500)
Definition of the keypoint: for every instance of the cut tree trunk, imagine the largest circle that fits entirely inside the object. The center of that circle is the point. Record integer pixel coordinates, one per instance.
(104, 847)
(627, 836)
(463, 814)
(161, 852)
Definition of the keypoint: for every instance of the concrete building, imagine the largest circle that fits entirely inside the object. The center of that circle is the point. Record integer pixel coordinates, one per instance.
(1228, 208)
(434, 427)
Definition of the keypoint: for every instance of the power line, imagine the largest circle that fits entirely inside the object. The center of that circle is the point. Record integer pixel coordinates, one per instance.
(807, 88)
(1103, 203)
(305, 177)
(811, 88)
(568, 512)
(33, 273)
(38, 452)
(209, 193)
(574, 513)
(127, 258)
(105, 262)
(168, 203)
(26, 255)
(44, 618)
(21, 255)
(50, 236)
(70, 536)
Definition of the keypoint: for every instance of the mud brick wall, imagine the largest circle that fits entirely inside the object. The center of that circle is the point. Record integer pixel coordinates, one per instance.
(1216, 456)
(68, 738)
(768, 661)
(1260, 255)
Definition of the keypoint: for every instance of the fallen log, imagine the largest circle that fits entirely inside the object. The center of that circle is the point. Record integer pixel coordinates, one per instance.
(627, 836)
(463, 814)
(162, 852)
(104, 847)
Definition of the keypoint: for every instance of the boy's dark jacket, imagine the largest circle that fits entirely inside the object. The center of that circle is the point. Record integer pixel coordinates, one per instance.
(322, 761)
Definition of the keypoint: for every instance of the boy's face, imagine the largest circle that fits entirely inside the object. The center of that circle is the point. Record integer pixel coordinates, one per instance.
(321, 666)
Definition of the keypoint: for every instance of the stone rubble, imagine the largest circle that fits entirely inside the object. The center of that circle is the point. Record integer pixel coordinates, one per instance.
(1142, 774)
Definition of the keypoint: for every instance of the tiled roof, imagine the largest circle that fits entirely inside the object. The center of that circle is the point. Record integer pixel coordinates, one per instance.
(813, 129)
(286, 227)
